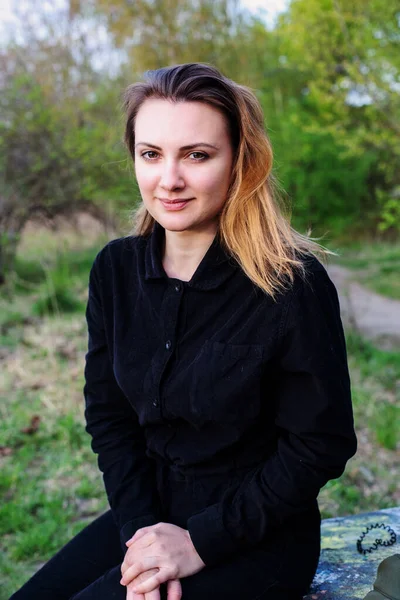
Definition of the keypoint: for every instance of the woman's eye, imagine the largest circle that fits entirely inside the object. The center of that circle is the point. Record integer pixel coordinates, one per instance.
(149, 155)
(198, 155)
(152, 155)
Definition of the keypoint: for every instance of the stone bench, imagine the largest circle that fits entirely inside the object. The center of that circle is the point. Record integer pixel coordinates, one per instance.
(343, 572)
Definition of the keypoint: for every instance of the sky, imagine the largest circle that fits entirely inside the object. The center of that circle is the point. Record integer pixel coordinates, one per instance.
(269, 9)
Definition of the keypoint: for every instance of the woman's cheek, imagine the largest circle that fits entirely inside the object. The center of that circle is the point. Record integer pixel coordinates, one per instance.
(147, 182)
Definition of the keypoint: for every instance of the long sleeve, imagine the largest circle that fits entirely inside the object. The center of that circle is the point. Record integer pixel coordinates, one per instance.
(314, 422)
(117, 437)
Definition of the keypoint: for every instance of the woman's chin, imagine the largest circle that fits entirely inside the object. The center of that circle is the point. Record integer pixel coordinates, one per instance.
(181, 221)
(175, 222)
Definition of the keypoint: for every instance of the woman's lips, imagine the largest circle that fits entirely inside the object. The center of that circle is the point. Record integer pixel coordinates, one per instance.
(174, 204)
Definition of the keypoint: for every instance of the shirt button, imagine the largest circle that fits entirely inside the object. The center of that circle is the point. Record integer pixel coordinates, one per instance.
(155, 403)
(177, 287)
(168, 345)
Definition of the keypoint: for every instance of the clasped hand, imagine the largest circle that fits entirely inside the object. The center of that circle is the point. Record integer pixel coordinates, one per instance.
(165, 547)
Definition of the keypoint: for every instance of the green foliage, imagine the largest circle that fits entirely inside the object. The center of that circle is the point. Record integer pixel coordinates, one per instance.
(71, 432)
(56, 159)
(55, 301)
(382, 365)
(330, 101)
(348, 68)
(57, 162)
(37, 166)
(56, 294)
(78, 262)
(53, 284)
(314, 169)
(381, 410)
(377, 266)
(13, 575)
(387, 425)
(347, 496)
(390, 212)
(11, 318)
(384, 284)
(29, 271)
(40, 510)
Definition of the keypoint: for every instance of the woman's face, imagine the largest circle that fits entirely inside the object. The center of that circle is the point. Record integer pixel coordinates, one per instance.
(183, 163)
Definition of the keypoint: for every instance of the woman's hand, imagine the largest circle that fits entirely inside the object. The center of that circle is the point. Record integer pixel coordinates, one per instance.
(165, 547)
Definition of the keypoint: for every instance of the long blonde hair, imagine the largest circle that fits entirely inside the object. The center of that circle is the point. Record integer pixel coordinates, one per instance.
(254, 226)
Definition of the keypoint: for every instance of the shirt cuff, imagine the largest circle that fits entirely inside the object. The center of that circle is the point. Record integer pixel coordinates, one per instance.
(209, 537)
(131, 527)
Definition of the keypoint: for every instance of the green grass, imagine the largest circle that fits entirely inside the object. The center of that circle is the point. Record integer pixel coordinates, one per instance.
(28, 273)
(52, 285)
(45, 483)
(387, 426)
(370, 479)
(377, 388)
(49, 481)
(381, 365)
(375, 265)
(386, 284)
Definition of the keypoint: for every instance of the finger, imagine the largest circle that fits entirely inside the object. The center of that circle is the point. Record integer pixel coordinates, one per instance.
(142, 577)
(142, 541)
(174, 588)
(136, 536)
(133, 555)
(150, 584)
(135, 570)
(130, 594)
(154, 595)
(141, 532)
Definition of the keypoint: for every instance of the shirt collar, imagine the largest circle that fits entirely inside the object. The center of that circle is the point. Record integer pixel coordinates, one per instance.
(214, 269)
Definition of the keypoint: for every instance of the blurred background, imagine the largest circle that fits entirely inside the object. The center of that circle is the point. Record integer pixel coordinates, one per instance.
(327, 75)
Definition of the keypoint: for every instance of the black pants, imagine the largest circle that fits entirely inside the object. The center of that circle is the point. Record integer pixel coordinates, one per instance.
(88, 567)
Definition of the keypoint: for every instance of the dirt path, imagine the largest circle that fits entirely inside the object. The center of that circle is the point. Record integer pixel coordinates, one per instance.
(373, 316)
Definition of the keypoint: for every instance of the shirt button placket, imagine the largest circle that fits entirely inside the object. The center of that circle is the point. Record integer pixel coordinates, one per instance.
(170, 314)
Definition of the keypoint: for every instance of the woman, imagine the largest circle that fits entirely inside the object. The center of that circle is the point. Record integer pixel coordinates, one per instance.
(217, 389)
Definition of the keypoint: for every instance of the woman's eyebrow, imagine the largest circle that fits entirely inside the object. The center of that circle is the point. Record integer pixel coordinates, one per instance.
(188, 147)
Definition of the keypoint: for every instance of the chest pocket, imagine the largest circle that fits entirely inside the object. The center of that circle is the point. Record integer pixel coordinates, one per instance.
(226, 383)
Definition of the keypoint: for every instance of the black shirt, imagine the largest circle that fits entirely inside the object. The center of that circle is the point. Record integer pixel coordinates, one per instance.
(212, 375)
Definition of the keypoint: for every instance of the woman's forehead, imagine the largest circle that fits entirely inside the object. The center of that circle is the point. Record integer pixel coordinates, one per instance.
(183, 122)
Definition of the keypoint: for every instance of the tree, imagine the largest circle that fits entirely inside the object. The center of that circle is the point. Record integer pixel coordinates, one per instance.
(155, 33)
(57, 153)
(350, 66)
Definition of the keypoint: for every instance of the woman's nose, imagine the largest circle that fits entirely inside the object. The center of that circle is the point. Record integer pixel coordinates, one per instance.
(171, 177)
